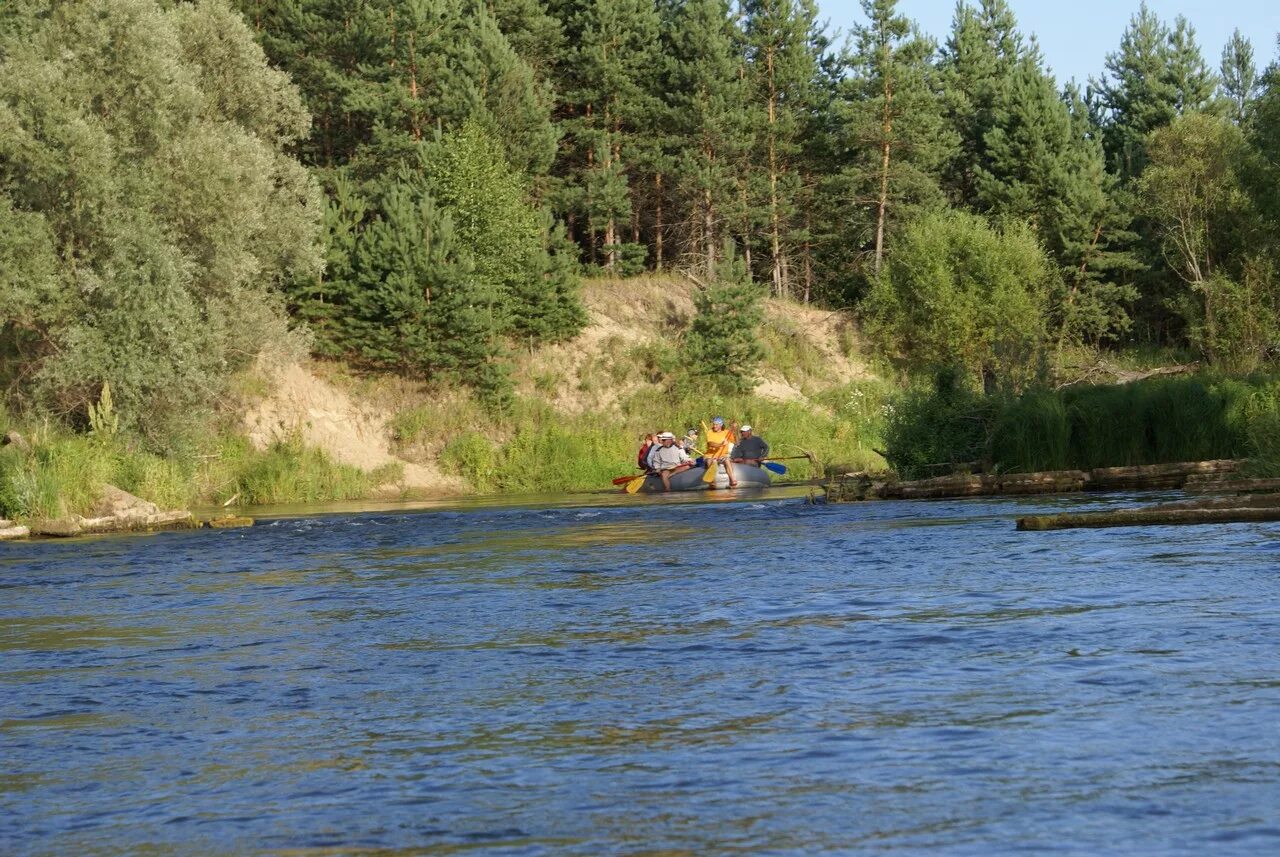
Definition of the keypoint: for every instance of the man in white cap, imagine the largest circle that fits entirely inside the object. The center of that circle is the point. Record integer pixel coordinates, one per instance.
(750, 448)
(667, 458)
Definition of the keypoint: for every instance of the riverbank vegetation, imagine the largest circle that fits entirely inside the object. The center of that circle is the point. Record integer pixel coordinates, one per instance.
(51, 472)
(191, 191)
(1202, 417)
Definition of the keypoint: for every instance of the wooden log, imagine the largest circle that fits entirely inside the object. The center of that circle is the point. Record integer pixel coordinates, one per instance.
(1150, 517)
(1216, 484)
(1253, 501)
(959, 485)
(1045, 482)
(1145, 477)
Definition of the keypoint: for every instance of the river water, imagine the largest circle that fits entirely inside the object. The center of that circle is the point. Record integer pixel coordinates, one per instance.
(622, 675)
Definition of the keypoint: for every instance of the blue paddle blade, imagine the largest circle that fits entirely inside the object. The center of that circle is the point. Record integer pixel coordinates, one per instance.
(775, 467)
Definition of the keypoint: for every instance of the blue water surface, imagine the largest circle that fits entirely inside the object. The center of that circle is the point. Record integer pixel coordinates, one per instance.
(749, 677)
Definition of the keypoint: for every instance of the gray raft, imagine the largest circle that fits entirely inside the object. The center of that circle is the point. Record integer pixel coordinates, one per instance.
(747, 476)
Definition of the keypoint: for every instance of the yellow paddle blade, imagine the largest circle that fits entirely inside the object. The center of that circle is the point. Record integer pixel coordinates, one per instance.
(634, 485)
(710, 475)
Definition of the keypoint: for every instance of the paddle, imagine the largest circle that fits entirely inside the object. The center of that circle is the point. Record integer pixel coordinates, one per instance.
(635, 484)
(775, 468)
(619, 480)
(713, 465)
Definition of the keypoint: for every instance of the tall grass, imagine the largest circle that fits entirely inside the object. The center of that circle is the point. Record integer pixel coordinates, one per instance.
(61, 473)
(1147, 422)
(534, 448)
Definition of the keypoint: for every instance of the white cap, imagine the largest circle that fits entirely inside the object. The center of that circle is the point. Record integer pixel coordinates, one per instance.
(666, 435)
(746, 428)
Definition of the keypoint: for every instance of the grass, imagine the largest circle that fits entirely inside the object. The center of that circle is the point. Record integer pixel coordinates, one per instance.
(789, 352)
(533, 448)
(61, 473)
(1158, 420)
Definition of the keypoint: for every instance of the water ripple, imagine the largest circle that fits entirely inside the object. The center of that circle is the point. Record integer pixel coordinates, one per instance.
(652, 678)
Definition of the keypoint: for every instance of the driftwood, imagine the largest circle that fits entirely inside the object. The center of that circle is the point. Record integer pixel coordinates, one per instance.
(1153, 516)
(1149, 477)
(1104, 373)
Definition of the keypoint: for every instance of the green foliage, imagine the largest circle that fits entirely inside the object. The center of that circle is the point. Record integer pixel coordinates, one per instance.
(1156, 75)
(146, 189)
(62, 473)
(959, 293)
(473, 456)
(1146, 422)
(710, 127)
(931, 431)
(1262, 421)
(1194, 188)
(103, 419)
(506, 238)
(721, 345)
(290, 472)
(890, 131)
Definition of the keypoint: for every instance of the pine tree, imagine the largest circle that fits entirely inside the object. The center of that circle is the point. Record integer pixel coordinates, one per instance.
(1157, 75)
(379, 77)
(507, 238)
(893, 136)
(1264, 138)
(1239, 78)
(1045, 168)
(721, 344)
(608, 81)
(1193, 81)
(976, 68)
(711, 130)
(782, 41)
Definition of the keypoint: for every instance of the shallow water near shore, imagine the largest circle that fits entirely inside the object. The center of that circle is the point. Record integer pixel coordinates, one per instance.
(606, 674)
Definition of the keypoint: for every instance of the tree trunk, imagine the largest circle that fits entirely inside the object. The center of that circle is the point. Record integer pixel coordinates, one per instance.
(658, 224)
(775, 214)
(886, 130)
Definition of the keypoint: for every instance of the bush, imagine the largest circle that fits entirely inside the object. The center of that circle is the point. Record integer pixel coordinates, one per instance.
(932, 431)
(956, 292)
(169, 130)
(1147, 422)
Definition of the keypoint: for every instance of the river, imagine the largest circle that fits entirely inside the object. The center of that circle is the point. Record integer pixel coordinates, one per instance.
(645, 676)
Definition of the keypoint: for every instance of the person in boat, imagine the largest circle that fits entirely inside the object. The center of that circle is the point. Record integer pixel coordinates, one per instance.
(690, 445)
(667, 458)
(751, 448)
(719, 445)
(648, 445)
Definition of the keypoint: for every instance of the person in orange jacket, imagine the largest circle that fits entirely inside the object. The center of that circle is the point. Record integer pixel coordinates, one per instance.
(719, 443)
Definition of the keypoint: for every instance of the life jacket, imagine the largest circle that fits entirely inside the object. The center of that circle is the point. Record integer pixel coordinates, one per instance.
(642, 459)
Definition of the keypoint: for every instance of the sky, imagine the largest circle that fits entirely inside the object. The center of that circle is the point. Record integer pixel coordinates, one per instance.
(1076, 37)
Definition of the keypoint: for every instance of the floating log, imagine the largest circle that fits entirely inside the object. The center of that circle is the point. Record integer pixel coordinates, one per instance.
(1146, 477)
(1149, 517)
(1151, 477)
(1216, 484)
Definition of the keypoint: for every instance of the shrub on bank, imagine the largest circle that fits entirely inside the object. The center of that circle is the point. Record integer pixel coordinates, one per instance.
(1155, 421)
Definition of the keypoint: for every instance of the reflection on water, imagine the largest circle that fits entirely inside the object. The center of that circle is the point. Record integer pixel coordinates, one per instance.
(644, 675)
